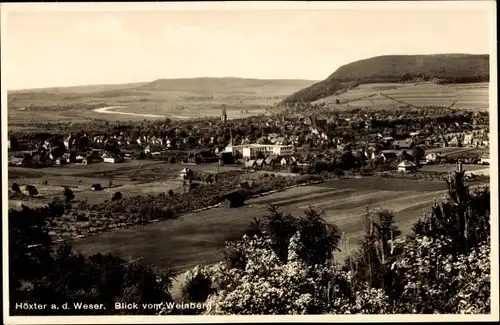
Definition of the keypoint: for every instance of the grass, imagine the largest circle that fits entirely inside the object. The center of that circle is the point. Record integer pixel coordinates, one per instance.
(446, 168)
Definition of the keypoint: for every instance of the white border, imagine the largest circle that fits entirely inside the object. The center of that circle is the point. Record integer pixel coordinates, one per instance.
(210, 6)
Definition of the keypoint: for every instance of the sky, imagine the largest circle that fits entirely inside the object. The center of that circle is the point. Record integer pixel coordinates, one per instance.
(53, 48)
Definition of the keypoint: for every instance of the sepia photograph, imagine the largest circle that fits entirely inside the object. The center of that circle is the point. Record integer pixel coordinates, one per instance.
(249, 159)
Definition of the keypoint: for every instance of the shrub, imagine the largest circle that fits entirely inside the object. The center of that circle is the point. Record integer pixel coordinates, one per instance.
(68, 194)
(32, 191)
(15, 188)
(197, 284)
(117, 196)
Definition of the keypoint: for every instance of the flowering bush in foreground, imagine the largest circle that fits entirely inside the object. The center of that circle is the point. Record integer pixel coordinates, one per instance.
(441, 283)
(268, 286)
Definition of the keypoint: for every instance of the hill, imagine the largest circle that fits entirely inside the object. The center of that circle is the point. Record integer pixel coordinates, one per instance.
(163, 97)
(438, 68)
(222, 85)
(79, 89)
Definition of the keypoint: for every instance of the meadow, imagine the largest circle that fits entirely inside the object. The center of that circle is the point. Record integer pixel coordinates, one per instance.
(132, 177)
(199, 237)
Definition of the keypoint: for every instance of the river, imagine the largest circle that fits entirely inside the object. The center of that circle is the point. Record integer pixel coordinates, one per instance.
(110, 110)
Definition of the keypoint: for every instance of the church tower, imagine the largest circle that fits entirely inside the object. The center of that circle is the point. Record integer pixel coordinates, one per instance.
(223, 115)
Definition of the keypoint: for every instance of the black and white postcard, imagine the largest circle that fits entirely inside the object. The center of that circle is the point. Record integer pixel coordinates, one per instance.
(249, 161)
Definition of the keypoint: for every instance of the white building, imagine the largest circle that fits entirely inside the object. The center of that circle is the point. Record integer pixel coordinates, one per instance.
(251, 150)
(406, 166)
(112, 160)
(431, 157)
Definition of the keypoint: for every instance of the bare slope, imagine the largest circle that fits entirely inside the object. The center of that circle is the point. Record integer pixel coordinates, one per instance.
(441, 68)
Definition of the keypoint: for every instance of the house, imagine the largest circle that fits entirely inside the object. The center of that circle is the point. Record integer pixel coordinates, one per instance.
(16, 161)
(455, 142)
(259, 162)
(96, 187)
(246, 184)
(234, 198)
(79, 159)
(68, 141)
(186, 173)
(68, 157)
(91, 159)
(280, 141)
(294, 139)
(406, 166)
(403, 144)
(431, 157)
(370, 153)
(468, 139)
(226, 158)
(485, 159)
(205, 156)
(428, 142)
(388, 156)
(250, 163)
(112, 159)
(270, 161)
(60, 161)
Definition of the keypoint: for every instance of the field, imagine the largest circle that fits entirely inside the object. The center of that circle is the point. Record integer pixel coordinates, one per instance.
(440, 68)
(134, 177)
(467, 96)
(176, 98)
(199, 237)
(447, 168)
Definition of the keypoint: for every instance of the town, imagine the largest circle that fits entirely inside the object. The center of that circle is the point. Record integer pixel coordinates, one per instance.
(249, 162)
(261, 142)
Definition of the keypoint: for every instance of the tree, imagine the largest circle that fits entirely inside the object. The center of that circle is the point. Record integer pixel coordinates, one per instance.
(15, 188)
(29, 247)
(32, 191)
(117, 196)
(266, 285)
(171, 193)
(68, 194)
(338, 172)
(40, 274)
(197, 286)
(317, 237)
(375, 250)
(464, 216)
(13, 143)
